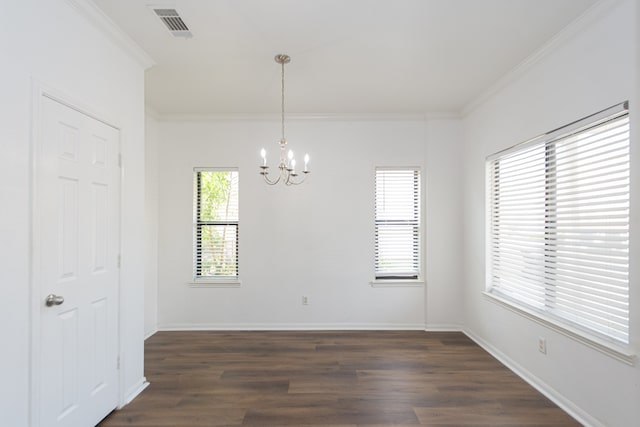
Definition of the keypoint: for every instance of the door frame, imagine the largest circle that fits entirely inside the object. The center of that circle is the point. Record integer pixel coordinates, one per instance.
(39, 91)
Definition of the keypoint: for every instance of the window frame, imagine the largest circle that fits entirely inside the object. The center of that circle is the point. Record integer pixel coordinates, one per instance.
(599, 341)
(213, 281)
(392, 280)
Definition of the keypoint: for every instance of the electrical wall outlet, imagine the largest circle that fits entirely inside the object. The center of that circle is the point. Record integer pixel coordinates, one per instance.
(305, 300)
(542, 345)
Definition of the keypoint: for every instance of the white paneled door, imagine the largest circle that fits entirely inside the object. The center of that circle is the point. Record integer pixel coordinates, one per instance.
(76, 247)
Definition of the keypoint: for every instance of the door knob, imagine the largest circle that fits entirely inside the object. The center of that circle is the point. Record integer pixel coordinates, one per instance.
(53, 300)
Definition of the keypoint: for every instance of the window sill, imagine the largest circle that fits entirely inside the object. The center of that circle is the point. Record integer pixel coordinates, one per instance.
(396, 283)
(215, 283)
(622, 354)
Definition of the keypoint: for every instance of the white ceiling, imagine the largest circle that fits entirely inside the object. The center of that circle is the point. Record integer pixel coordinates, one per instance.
(348, 56)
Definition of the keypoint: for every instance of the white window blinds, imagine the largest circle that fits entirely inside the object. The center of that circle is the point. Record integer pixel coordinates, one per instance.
(397, 224)
(215, 213)
(559, 224)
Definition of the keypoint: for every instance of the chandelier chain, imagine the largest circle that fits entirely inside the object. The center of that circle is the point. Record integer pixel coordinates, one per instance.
(282, 96)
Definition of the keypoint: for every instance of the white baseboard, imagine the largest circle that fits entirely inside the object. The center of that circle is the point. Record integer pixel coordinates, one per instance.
(150, 334)
(443, 328)
(134, 391)
(290, 326)
(568, 406)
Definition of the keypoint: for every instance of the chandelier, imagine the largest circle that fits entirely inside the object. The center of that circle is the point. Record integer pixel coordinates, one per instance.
(287, 173)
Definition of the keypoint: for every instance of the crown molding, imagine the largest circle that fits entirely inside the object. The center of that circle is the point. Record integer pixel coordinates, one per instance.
(94, 15)
(583, 21)
(364, 117)
(443, 115)
(213, 117)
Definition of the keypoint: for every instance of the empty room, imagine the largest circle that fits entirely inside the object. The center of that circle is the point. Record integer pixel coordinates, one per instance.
(320, 213)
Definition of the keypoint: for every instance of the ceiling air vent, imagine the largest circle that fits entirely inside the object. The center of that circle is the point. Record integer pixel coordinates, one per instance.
(173, 22)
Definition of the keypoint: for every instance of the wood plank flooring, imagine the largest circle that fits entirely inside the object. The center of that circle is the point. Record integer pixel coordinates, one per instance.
(330, 378)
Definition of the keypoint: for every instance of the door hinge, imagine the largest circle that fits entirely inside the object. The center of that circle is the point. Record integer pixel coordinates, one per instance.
(119, 262)
(119, 160)
(118, 363)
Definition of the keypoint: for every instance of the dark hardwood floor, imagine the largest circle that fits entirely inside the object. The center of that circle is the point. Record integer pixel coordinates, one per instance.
(329, 378)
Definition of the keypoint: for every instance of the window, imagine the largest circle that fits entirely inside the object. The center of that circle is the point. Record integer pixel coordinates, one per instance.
(215, 222)
(559, 225)
(397, 224)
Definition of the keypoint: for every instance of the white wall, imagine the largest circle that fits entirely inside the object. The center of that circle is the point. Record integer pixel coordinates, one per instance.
(445, 178)
(315, 239)
(587, 72)
(50, 43)
(151, 225)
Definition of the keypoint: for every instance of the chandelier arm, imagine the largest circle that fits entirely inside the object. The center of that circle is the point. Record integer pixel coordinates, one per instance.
(265, 174)
(269, 181)
(291, 180)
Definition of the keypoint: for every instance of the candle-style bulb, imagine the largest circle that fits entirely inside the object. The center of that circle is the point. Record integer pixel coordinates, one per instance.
(263, 154)
(290, 154)
(306, 162)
